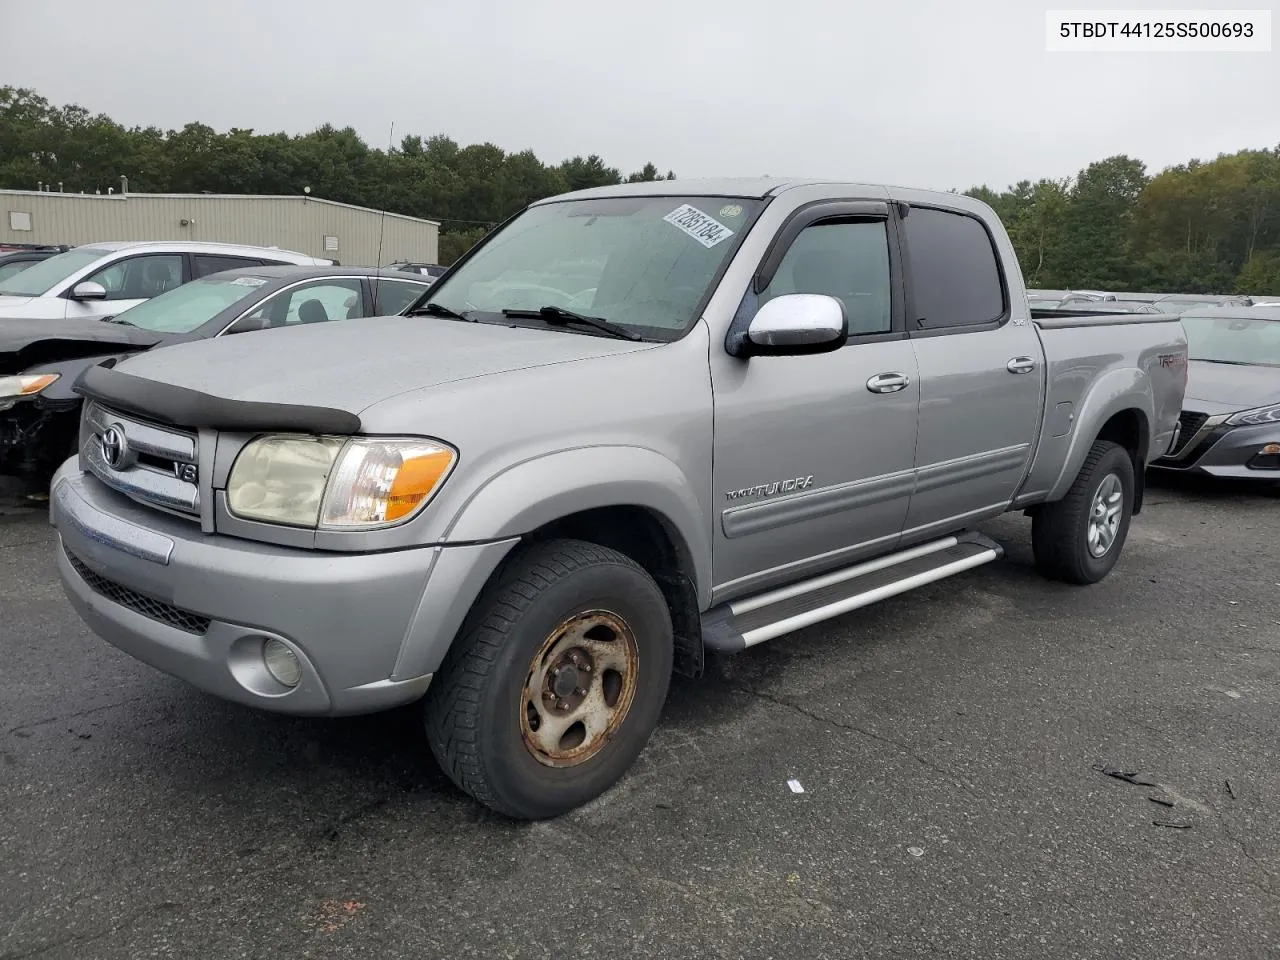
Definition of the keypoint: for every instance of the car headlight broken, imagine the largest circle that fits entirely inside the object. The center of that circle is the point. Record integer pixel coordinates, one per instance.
(13, 387)
(336, 483)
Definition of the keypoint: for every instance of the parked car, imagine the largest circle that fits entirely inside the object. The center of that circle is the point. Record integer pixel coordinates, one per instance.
(14, 261)
(104, 279)
(1181, 303)
(1100, 306)
(39, 411)
(432, 270)
(1231, 415)
(1086, 296)
(532, 498)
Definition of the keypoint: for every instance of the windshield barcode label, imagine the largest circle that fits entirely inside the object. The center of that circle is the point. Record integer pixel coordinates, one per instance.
(708, 231)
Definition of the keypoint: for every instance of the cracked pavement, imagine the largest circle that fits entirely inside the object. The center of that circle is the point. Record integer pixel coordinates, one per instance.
(963, 723)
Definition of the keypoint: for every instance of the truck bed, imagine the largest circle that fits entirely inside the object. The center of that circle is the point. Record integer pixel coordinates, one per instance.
(1091, 356)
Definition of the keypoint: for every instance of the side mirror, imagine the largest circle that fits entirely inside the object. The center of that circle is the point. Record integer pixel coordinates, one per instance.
(88, 290)
(796, 324)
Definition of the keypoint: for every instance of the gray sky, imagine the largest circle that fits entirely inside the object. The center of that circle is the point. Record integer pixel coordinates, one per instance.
(917, 92)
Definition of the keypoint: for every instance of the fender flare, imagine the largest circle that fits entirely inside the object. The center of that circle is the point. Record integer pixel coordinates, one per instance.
(537, 491)
(1114, 392)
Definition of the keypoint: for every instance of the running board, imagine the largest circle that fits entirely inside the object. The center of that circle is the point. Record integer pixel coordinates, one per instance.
(734, 626)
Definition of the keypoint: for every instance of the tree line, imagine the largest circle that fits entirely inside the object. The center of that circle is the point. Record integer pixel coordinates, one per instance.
(1200, 227)
(468, 189)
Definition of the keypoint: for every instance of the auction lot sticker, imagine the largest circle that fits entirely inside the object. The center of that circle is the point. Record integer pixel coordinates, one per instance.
(707, 230)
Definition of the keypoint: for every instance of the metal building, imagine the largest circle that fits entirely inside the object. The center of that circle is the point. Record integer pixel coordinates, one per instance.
(320, 228)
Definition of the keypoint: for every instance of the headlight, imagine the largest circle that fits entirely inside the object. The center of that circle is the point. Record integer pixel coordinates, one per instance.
(1254, 418)
(336, 483)
(12, 387)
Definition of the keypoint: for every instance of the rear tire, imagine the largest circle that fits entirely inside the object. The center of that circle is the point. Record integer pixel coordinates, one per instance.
(555, 682)
(1078, 539)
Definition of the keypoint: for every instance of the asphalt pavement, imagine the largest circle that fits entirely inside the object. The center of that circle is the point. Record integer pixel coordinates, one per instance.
(947, 743)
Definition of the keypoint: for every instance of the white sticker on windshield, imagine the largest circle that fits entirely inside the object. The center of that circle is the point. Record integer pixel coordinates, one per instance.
(248, 281)
(708, 231)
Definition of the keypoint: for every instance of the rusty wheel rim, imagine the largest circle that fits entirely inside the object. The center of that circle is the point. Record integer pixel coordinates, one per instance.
(579, 688)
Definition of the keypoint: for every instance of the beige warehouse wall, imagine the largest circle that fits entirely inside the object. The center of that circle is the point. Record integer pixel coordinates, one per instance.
(294, 223)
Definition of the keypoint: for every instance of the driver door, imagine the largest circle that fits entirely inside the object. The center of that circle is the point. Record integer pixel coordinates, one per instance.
(814, 457)
(128, 282)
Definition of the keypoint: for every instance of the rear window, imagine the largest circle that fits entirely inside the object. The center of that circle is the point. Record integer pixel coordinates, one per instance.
(955, 273)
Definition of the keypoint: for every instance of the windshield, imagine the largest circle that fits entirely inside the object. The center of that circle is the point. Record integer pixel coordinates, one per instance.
(40, 278)
(642, 262)
(1233, 340)
(192, 305)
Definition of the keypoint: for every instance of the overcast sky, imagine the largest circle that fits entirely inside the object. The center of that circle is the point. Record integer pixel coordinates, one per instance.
(921, 93)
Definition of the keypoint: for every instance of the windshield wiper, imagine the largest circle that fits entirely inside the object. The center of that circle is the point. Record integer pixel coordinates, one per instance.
(434, 309)
(1234, 363)
(559, 316)
(117, 320)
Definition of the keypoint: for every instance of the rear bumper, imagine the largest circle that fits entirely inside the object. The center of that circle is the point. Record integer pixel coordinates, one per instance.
(369, 630)
(1225, 451)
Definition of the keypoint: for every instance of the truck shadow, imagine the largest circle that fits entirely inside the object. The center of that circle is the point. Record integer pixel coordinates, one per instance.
(382, 762)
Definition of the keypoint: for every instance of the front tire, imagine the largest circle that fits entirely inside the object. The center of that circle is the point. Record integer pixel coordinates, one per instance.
(1078, 539)
(555, 683)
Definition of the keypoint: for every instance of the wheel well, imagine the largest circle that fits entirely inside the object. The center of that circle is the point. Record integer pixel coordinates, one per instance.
(652, 541)
(1130, 429)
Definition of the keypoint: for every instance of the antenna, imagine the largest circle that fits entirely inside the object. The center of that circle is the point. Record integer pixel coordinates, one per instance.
(382, 228)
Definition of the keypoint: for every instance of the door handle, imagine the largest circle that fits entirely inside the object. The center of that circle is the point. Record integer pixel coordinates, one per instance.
(1021, 365)
(888, 382)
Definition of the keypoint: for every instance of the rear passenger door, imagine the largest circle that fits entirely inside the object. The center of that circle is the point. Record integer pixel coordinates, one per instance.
(981, 372)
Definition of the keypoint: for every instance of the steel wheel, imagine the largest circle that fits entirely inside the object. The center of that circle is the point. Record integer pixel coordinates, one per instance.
(1105, 514)
(579, 688)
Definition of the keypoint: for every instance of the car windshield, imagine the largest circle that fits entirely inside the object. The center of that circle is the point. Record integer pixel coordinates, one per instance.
(641, 262)
(40, 278)
(1243, 340)
(192, 305)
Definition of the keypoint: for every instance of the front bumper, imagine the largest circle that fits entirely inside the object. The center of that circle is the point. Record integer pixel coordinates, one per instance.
(1225, 451)
(368, 629)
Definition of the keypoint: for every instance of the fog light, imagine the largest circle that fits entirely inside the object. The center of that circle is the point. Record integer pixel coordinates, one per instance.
(1270, 450)
(282, 663)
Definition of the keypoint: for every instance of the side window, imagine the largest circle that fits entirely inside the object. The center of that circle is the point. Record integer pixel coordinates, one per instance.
(206, 264)
(955, 275)
(140, 278)
(392, 296)
(846, 259)
(316, 302)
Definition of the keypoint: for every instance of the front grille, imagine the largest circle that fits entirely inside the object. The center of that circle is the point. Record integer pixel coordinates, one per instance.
(1191, 424)
(149, 607)
(151, 463)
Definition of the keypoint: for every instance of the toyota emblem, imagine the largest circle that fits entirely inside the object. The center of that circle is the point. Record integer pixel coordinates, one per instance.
(114, 447)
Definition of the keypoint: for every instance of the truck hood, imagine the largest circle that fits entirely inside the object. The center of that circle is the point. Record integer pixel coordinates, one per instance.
(1216, 388)
(352, 364)
(19, 334)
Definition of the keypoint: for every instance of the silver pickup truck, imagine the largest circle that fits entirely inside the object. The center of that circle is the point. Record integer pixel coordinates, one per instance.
(634, 425)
